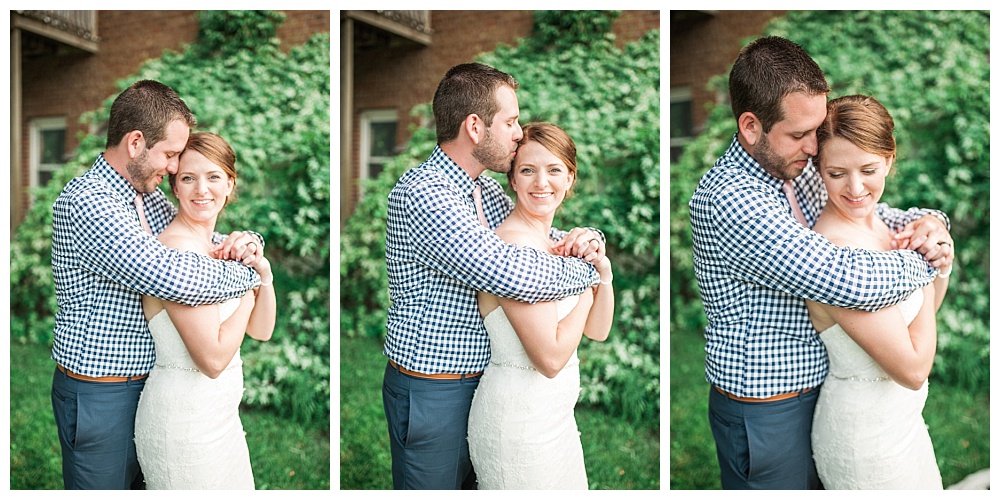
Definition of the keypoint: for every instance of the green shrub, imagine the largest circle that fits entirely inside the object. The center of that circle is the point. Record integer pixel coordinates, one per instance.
(607, 99)
(274, 109)
(931, 71)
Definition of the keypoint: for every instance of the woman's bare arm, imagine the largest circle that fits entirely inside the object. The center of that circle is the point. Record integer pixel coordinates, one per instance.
(905, 352)
(261, 323)
(602, 313)
(210, 343)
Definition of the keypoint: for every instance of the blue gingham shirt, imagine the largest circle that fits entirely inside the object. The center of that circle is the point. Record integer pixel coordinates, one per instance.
(438, 255)
(102, 264)
(755, 263)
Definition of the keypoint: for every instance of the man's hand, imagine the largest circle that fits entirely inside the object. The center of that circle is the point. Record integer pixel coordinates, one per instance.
(241, 246)
(928, 236)
(581, 242)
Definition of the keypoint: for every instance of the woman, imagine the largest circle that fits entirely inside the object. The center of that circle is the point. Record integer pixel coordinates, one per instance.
(522, 431)
(868, 431)
(188, 432)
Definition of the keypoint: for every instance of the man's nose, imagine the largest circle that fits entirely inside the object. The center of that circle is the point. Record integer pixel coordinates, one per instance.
(811, 144)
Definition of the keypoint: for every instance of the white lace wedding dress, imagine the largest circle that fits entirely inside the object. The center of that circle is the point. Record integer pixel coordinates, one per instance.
(188, 433)
(522, 430)
(868, 431)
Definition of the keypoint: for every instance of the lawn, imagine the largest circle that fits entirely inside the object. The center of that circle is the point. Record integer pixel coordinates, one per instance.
(959, 423)
(619, 456)
(284, 456)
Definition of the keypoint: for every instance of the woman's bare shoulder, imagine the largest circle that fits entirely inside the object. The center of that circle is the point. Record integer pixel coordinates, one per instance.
(843, 235)
(519, 236)
(182, 241)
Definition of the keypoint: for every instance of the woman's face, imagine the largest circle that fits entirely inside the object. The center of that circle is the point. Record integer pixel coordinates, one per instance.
(854, 179)
(541, 180)
(201, 186)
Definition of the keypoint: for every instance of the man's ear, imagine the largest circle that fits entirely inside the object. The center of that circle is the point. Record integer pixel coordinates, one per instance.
(750, 128)
(475, 128)
(135, 142)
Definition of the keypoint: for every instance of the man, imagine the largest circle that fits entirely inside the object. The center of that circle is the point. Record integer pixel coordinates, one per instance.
(438, 253)
(104, 258)
(756, 260)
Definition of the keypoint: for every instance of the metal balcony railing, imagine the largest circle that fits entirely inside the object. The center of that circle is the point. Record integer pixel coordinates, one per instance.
(419, 20)
(79, 23)
(412, 25)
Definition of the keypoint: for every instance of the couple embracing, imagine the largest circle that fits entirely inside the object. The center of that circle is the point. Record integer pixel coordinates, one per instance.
(153, 307)
(820, 300)
(489, 301)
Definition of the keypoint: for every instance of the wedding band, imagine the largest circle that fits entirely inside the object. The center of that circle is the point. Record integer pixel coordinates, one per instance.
(944, 243)
(593, 240)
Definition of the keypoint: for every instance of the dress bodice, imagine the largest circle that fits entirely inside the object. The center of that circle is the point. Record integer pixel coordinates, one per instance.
(188, 433)
(170, 349)
(505, 346)
(522, 429)
(868, 431)
(850, 361)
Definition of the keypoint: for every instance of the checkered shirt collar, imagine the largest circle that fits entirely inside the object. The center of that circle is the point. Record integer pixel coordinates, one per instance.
(742, 159)
(454, 173)
(105, 172)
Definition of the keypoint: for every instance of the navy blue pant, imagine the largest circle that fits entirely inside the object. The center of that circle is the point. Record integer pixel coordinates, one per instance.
(764, 445)
(428, 429)
(96, 422)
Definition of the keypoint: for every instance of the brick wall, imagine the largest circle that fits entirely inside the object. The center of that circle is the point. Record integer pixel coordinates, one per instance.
(634, 24)
(71, 83)
(705, 48)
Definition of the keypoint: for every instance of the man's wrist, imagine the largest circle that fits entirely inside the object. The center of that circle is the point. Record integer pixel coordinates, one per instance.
(257, 235)
(941, 217)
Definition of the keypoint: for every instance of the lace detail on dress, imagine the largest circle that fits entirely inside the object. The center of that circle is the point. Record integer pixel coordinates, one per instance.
(522, 430)
(522, 367)
(863, 379)
(188, 433)
(171, 366)
(868, 431)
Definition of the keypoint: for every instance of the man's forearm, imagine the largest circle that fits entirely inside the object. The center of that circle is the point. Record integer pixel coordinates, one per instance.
(140, 262)
(782, 255)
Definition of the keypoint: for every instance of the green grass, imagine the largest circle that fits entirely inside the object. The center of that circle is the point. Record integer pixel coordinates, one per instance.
(619, 456)
(284, 455)
(958, 421)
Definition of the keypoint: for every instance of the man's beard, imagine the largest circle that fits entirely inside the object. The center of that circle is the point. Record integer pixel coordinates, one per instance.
(492, 154)
(141, 173)
(771, 162)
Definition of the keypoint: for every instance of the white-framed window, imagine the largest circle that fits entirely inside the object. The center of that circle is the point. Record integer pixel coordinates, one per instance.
(681, 121)
(378, 141)
(47, 143)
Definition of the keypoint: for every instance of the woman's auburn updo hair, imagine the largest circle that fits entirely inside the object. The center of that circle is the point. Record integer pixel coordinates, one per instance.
(552, 138)
(217, 151)
(862, 121)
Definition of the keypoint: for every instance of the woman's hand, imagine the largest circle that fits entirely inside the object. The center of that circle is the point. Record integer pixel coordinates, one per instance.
(263, 268)
(241, 246)
(928, 236)
(583, 243)
(603, 266)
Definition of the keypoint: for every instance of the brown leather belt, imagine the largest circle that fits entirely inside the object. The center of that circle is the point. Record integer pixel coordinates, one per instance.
(434, 376)
(776, 397)
(99, 379)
